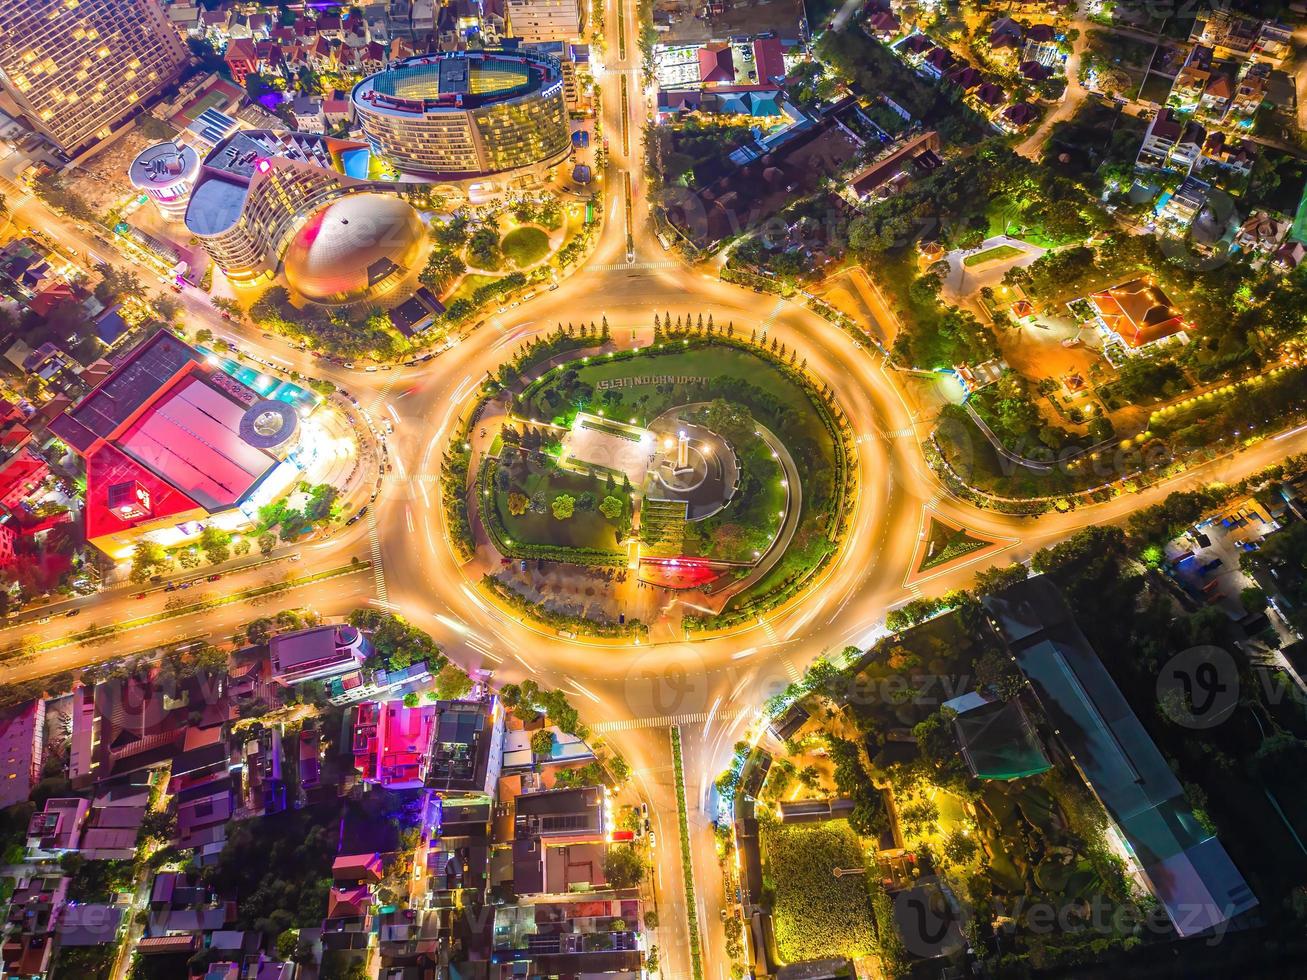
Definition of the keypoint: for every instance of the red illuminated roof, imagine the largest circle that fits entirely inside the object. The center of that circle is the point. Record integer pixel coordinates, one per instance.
(107, 467)
(191, 438)
(1138, 312)
(716, 64)
(19, 476)
(769, 58)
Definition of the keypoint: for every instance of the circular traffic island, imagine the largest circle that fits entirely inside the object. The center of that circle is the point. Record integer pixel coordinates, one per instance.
(708, 466)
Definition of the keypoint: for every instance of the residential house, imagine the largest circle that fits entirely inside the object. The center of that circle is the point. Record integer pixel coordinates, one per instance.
(57, 829)
(1235, 157)
(181, 905)
(1289, 256)
(467, 750)
(392, 742)
(1251, 90)
(988, 96)
(308, 114)
(317, 652)
(336, 111)
(1006, 35)
(1018, 116)
(1192, 78)
(34, 910)
(937, 62)
(1183, 206)
(1263, 232)
(1217, 94)
(1232, 34)
(242, 59)
(883, 25)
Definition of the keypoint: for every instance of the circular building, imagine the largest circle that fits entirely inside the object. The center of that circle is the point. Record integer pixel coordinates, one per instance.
(354, 248)
(166, 172)
(460, 115)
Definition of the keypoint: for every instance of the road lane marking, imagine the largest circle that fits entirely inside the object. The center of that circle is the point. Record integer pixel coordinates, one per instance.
(378, 574)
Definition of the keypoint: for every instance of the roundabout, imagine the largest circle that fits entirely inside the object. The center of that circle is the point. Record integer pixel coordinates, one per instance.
(709, 497)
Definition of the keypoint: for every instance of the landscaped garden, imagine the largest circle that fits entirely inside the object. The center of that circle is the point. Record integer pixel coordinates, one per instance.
(542, 510)
(996, 254)
(737, 384)
(945, 542)
(525, 246)
(816, 914)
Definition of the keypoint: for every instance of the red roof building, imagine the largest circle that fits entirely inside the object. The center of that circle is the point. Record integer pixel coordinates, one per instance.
(769, 59)
(1138, 312)
(20, 475)
(242, 58)
(716, 63)
(161, 437)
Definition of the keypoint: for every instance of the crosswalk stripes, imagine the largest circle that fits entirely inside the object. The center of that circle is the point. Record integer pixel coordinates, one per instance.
(662, 721)
(769, 629)
(374, 542)
(794, 672)
(901, 433)
(634, 266)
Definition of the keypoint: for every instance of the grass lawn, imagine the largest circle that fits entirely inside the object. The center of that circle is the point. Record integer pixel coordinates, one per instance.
(944, 543)
(525, 246)
(470, 284)
(541, 484)
(751, 521)
(996, 254)
(817, 915)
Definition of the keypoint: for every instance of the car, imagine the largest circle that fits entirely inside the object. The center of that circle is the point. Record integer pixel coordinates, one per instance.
(72, 612)
(646, 823)
(387, 367)
(214, 577)
(351, 521)
(139, 595)
(652, 842)
(295, 557)
(184, 585)
(371, 369)
(226, 315)
(43, 620)
(268, 336)
(362, 511)
(350, 365)
(170, 587)
(722, 913)
(644, 810)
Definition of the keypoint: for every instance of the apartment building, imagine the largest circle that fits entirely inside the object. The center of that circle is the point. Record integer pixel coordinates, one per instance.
(78, 71)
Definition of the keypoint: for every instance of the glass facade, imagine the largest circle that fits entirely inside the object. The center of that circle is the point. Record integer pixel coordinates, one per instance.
(466, 114)
(79, 68)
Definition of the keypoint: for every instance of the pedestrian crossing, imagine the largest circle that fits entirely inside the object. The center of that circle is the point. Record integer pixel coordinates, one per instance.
(634, 266)
(379, 576)
(664, 721)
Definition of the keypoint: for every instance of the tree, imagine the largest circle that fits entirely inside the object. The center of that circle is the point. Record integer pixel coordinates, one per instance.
(623, 866)
(167, 307)
(148, 559)
(518, 502)
(452, 683)
(542, 743)
(287, 944)
(216, 544)
(188, 557)
(563, 506)
(1253, 600)
(411, 699)
(267, 541)
(611, 507)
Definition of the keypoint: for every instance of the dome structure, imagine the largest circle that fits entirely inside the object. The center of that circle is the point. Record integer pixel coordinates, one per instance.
(354, 248)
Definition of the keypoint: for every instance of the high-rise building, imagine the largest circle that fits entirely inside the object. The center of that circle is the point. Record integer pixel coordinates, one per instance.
(466, 114)
(546, 20)
(79, 68)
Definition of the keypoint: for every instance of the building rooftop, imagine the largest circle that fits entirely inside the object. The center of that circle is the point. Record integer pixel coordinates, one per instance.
(1187, 868)
(1139, 312)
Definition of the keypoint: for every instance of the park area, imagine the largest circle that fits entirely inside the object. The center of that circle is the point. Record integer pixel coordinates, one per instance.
(541, 510)
(525, 246)
(817, 915)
